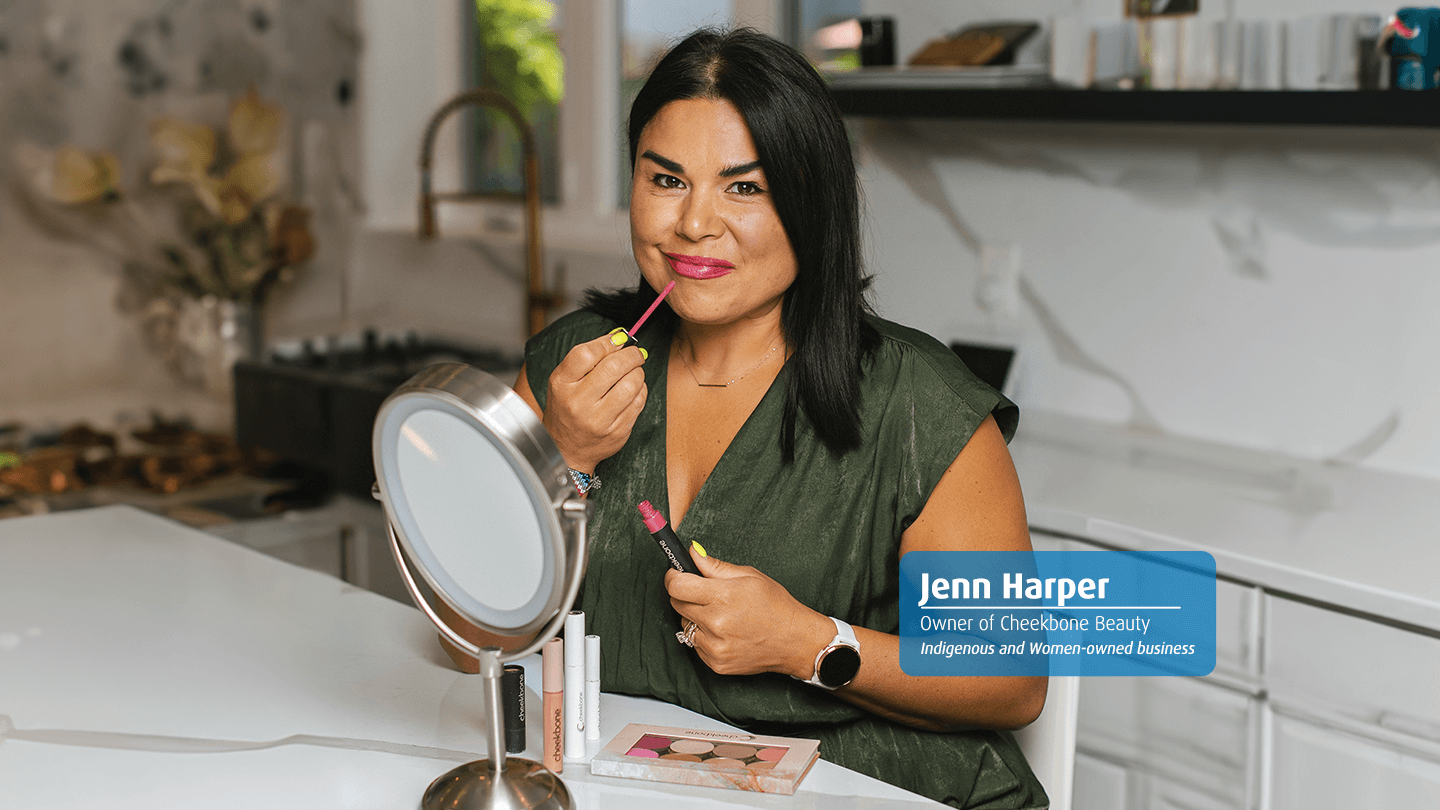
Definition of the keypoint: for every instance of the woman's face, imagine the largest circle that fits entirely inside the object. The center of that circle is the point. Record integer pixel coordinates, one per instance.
(701, 215)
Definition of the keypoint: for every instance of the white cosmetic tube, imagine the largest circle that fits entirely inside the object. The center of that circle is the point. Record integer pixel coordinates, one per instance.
(575, 685)
(592, 687)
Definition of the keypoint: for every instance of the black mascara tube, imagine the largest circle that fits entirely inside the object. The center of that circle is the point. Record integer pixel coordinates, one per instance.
(512, 690)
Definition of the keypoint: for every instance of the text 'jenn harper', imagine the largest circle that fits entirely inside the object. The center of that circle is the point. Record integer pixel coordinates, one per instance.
(1015, 586)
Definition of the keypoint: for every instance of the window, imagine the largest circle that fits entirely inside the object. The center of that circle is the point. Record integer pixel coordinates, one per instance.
(815, 17)
(418, 55)
(492, 157)
(425, 54)
(647, 29)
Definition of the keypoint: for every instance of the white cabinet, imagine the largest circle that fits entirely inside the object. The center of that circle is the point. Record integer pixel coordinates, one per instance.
(1350, 668)
(312, 539)
(1237, 633)
(1309, 706)
(1163, 794)
(1315, 766)
(1355, 710)
(1168, 742)
(1175, 731)
(1099, 783)
(346, 538)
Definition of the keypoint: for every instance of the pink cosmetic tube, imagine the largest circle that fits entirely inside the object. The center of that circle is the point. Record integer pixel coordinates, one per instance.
(553, 658)
(665, 537)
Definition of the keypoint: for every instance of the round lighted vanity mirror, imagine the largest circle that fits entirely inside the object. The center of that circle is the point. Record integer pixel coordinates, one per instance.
(479, 501)
(473, 487)
(468, 518)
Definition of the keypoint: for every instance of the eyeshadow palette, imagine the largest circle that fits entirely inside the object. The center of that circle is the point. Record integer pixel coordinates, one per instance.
(728, 759)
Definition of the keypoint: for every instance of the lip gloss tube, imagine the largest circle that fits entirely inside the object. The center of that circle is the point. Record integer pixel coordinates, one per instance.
(554, 723)
(575, 685)
(666, 538)
(592, 687)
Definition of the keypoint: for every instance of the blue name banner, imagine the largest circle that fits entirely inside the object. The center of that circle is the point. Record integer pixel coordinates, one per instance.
(1057, 613)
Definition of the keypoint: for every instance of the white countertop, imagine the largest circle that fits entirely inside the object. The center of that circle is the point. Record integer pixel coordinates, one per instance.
(147, 665)
(1359, 539)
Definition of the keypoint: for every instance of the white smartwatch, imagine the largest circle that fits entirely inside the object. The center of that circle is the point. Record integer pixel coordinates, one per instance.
(839, 662)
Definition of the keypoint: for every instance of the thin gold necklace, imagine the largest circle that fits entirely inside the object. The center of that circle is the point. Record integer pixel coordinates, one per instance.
(732, 382)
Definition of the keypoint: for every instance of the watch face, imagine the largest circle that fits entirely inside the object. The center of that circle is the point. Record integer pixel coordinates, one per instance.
(839, 666)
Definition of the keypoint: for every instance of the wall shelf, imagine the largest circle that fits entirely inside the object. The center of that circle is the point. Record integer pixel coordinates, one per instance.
(1357, 108)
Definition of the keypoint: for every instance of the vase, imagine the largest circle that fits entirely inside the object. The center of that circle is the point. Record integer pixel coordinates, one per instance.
(211, 335)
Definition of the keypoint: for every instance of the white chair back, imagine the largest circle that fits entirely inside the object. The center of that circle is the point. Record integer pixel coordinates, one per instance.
(1049, 742)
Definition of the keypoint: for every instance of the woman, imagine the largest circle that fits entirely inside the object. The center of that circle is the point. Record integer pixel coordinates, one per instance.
(803, 442)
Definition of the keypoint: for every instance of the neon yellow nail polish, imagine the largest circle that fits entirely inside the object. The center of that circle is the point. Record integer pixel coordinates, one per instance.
(644, 355)
(618, 337)
(698, 548)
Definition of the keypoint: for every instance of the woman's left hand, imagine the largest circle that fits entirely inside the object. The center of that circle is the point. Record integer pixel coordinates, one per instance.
(746, 621)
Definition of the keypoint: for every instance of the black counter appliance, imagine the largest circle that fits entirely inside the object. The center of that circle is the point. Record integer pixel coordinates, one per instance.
(314, 402)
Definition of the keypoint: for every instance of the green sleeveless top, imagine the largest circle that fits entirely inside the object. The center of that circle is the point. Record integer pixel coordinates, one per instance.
(827, 528)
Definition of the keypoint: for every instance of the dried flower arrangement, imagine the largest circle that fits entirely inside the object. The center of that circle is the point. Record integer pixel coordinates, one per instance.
(235, 236)
(240, 236)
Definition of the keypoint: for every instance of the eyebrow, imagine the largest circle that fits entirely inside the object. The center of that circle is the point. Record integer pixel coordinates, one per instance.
(671, 166)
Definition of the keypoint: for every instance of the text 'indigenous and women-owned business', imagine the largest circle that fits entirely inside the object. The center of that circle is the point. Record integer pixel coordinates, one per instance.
(1057, 613)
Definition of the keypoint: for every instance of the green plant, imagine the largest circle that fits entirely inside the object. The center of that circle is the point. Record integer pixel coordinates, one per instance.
(522, 59)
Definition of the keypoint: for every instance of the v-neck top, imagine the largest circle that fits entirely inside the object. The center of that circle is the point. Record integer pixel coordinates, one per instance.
(826, 527)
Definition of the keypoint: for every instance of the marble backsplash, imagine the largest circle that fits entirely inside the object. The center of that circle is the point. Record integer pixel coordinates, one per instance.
(1271, 288)
(95, 74)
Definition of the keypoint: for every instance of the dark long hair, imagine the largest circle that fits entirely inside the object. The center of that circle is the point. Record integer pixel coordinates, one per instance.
(803, 147)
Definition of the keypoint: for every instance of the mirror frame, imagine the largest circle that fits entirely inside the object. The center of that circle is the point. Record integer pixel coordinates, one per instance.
(501, 417)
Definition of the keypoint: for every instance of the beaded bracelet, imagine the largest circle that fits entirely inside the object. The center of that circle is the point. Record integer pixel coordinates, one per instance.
(583, 482)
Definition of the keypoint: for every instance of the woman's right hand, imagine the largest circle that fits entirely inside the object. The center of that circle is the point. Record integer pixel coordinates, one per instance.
(595, 396)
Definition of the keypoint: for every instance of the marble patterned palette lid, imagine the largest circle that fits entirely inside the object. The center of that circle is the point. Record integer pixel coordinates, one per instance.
(726, 759)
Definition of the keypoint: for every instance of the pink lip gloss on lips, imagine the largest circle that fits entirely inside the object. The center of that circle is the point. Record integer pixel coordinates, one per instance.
(698, 267)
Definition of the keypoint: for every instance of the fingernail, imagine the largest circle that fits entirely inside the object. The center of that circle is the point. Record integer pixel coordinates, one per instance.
(619, 340)
(695, 545)
(644, 355)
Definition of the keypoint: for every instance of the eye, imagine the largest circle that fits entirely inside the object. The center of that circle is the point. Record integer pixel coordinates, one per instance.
(667, 181)
(747, 188)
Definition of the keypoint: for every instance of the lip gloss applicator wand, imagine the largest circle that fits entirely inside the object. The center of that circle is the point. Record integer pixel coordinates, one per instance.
(620, 338)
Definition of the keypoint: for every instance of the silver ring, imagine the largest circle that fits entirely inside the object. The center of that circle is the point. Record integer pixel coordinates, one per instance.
(687, 636)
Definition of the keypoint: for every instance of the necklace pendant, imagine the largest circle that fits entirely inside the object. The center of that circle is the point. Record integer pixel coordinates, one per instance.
(762, 362)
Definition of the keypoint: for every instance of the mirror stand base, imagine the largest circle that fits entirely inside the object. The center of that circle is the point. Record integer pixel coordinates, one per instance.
(522, 783)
